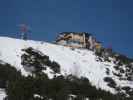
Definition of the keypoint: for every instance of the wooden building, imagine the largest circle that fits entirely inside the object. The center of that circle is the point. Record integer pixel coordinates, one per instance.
(76, 40)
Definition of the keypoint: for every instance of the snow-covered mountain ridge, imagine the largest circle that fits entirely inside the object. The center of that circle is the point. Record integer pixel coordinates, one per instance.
(78, 62)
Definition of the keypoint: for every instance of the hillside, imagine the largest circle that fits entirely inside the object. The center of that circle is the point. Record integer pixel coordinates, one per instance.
(106, 75)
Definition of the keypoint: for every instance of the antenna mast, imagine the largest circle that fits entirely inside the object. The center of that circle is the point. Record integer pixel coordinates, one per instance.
(23, 30)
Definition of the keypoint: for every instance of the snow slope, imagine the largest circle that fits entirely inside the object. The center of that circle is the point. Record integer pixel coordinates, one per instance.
(77, 62)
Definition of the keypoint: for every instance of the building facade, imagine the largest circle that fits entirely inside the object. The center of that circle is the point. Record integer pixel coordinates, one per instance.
(76, 40)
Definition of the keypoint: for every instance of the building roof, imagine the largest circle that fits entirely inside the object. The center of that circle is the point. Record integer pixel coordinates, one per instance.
(79, 33)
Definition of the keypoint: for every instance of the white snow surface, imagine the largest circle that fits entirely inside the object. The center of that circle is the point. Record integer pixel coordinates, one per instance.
(79, 62)
(2, 94)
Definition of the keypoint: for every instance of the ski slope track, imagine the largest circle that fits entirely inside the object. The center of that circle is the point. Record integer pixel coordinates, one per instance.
(78, 62)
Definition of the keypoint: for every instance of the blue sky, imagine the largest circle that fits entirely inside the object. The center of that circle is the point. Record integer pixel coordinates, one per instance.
(111, 21)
